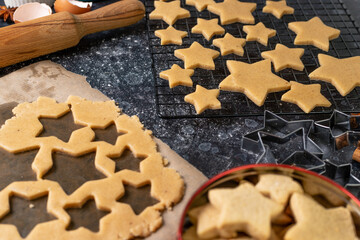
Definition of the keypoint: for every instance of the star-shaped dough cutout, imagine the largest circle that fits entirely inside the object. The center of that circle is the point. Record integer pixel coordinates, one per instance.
(203, 99)
(230, 44)
(178, 76)
(338, 221)
(170, 12)
(208, 28)
(278, 9)
(254, 80)
(259, 33)
(170, 36)
(199, 4)
(283, 57)
(314, 32)
(344, 73)
(307, 97)
(196, 56)
(244, 209)
(231, 11)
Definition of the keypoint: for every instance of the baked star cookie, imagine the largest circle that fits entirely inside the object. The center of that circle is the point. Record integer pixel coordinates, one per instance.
(170, 36)
(307, 97)
(170, 12)
(203, 99)
(22, 133)
(342, 73)
(259, 33)
(199, 4)
(283, 57)
(314, 32)
(208, 28)
(313, 221)
(231, 11)
(278, 8)
(254, 80)
(178, 76)
(230, 44)
(196, 56)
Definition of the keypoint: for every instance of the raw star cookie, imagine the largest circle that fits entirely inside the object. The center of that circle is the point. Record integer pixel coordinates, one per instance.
(170, 36)
(178, 76)
(313, 221)
(244, 209)
(259, 33)
(170, 12)
(199, 4)
(203, 99)
(103, 182)
(231, 11)
(283, 57)
(313, 32)
(230, 44)
(254, 80)
(196, 56)
(307, 97)
(278, 187)
(278, 8)
(208, 28)
(342, 73)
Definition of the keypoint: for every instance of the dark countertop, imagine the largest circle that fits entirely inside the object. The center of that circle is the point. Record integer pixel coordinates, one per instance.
(118, 63)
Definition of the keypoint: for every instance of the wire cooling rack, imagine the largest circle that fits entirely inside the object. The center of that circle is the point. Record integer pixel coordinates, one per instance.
(170, 102)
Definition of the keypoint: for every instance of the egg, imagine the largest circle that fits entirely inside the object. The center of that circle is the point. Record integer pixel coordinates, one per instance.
(29, 11)
(72, 6)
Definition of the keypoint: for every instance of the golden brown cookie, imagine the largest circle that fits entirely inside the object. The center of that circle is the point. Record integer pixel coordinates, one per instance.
(230, 44)
(313, 32)
(307, 97)
(254, 80)
(278, 8)
(244, 209)
(231, 11)
(313, 221)
(170, 12)
(259, 33)
(199, 4)
(178, 76)
(342, 73)
(196, 56)
(283, 57)
(170, 36)
(203, 99)
(208, 28)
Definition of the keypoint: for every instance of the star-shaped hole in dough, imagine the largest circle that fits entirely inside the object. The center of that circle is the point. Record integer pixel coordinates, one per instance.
(231, 11)
(244, 209)
(278, 9)
(199, 4)
(170, 12)
(283, 57)
(307, 97)
(203, 99)
(254, 80)
(230, 44)
(208, 28)
(197, 56)
(259, 33)
(313, 32)
(338, 221)
(342, 73)
(178, 76)
(170, 36)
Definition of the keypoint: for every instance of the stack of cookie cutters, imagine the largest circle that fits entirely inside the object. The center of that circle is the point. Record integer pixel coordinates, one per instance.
(324, 146)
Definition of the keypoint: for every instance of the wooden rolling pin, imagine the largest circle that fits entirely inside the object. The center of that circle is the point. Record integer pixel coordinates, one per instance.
(23, 41)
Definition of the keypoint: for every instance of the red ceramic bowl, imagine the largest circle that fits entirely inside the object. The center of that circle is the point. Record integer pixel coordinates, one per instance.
(249, 171)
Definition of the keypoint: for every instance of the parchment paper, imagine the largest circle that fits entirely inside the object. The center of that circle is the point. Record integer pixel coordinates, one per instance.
(52, 80)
